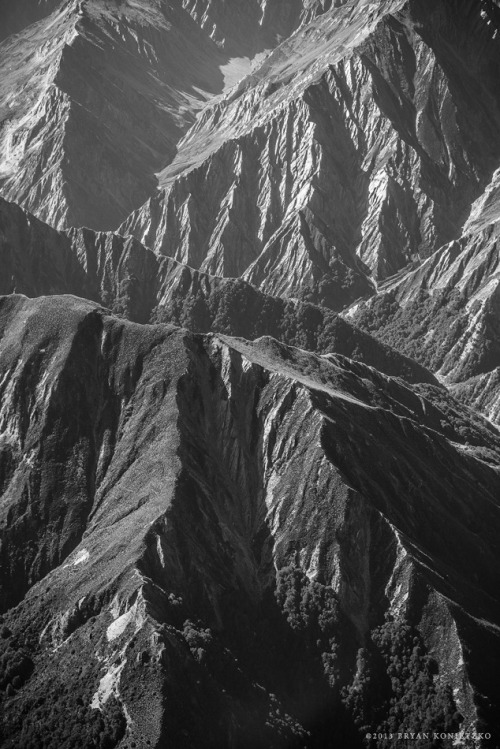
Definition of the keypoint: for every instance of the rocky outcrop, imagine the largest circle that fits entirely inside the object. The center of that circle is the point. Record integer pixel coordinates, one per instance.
(486, 210)
(213, 506)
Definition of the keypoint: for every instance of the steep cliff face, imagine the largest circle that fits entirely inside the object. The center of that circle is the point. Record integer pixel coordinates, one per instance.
(359, 145)
(212, 507)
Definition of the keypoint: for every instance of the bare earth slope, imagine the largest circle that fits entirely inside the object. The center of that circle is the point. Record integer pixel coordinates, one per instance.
(213, 506)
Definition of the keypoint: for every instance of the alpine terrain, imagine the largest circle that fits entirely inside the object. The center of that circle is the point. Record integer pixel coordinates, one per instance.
(249, 374)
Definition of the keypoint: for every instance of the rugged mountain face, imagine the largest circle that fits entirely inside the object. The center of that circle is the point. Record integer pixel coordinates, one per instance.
(444, 311)
(17, 16)
(182, 535)
(125, 276)
(445, 314)
(246, 496)
(93, 99)
(358, 145)
(243, 29)
(95, 94)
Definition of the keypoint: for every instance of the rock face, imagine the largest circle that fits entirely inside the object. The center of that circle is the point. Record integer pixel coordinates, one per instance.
(357, 145)
(211, 506)
(249, 315)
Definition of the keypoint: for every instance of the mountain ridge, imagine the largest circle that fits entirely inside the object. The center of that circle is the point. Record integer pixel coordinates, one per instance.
(326, 395)
(249, 374)
(125, 276)
(405, 184)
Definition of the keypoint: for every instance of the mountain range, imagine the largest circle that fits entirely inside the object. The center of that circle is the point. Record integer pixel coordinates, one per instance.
(249, 374)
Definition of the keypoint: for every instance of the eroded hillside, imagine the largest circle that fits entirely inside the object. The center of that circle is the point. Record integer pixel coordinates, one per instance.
(249, 319)
(210, 507)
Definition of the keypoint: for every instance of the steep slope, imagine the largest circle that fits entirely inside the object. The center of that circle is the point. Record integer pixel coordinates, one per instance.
(205, 304)
(93, 99)
(486, 210)
(95, 95)
(35, 259)
(359, 145)
(246, 28)
(131, 280)
(212, 509)
(268, 528)
(445, 314)
(18, 15)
